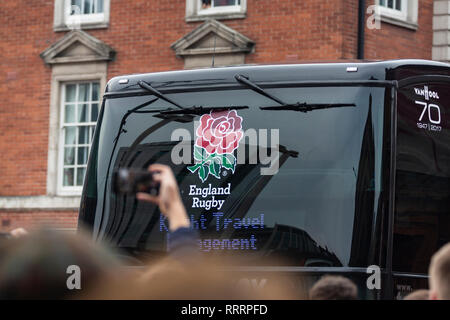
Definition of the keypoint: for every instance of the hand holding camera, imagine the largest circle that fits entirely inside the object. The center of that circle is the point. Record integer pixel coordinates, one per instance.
(168, 199)
(132, 180)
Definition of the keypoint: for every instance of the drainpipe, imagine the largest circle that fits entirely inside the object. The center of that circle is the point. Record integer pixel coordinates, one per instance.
(361, 28)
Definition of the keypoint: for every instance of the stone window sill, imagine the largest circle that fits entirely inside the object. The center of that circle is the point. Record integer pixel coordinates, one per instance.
(84, 26)
(40, 203)
(217, 16)
(399, 22)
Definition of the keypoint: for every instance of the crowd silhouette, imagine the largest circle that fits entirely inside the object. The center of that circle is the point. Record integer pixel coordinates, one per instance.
(43, 264)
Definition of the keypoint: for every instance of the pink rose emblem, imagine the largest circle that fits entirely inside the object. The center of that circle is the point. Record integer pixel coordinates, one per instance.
(218, 135)
(220, 132)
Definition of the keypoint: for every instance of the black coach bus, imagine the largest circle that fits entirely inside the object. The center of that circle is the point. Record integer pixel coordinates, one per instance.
(298, 169)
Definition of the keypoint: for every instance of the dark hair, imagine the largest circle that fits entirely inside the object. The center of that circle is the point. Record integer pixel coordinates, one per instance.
(334, 288)
(35, 266)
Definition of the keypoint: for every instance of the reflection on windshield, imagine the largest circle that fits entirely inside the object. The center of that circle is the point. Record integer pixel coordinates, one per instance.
(317, 210)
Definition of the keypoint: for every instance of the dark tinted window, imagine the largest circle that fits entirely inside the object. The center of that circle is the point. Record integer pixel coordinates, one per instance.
(422, 212)
(310, 213)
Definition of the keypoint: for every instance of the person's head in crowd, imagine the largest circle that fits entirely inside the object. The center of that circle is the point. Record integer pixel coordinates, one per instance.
(439, 274)
(205, 279)
(421, 294)
(18, 232)
(44, 265)
(333, 288)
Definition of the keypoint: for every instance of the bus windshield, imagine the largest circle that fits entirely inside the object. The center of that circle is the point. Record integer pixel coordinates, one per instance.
(257, 181)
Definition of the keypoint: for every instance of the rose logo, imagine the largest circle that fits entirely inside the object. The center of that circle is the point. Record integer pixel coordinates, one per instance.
(218, 135)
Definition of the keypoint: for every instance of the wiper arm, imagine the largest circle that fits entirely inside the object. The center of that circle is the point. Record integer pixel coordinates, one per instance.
(201, 110)
(188, 114)
(244, 80)
(194, 110)
(299, 106)
(306, 107)
(157, 93)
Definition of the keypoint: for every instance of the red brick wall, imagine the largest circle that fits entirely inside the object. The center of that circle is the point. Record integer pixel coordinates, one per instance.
(141, 32)
(394, 42)
(10, 220)
(295, 29)
(24, 95)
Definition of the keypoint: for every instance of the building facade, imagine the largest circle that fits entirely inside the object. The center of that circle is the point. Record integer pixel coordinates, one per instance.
(57, 56)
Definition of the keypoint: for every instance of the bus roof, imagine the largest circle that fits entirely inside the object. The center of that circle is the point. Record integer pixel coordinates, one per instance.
(343, 71)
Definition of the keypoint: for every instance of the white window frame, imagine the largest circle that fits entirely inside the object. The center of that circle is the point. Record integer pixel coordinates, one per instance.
(194, 11)
(407, 17)
(61, 189)
(83, 18)
(217, 10)
(399, 14)
(63, 21)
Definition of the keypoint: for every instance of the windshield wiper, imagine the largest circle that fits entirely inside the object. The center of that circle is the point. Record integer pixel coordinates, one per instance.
(254, 87)
(188, 114)
(148, 87)
(299, 106)
(194, 110)
(306, 107)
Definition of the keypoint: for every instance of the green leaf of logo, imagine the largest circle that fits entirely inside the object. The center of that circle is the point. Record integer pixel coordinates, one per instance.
(200, 154)
(194, 168)
(214, 168)
(229, 161)
(203, 173)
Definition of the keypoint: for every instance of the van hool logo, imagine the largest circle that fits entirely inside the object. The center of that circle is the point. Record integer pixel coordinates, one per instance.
(425, 92)
(218, 135)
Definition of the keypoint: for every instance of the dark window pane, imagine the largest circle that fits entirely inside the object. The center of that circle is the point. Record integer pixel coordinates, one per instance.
(83, 135)
(94, 112)
(70, 135)
(398, 5)
(99, 6)
(69, 156)
(95, 91)
(83, 114)
(68, 177)
(69, 113)
(87, 6)
(83, 92)
(80, 176)
(71, 90)
(76, 3)
(82, 155)
(390, 4)
(220, 3)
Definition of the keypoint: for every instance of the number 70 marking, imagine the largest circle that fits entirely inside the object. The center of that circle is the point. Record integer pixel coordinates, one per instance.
(429, 107)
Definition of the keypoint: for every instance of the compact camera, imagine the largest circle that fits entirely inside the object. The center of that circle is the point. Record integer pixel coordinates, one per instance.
(131, 181)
